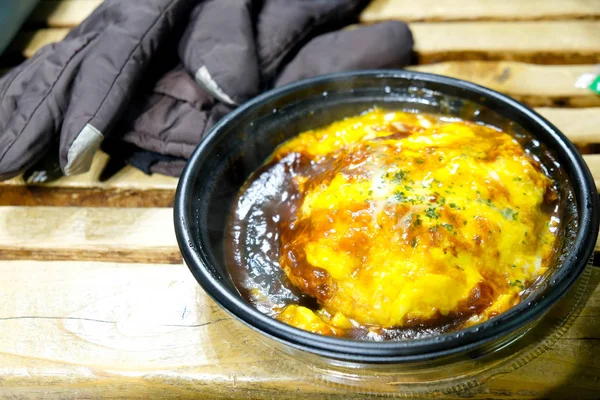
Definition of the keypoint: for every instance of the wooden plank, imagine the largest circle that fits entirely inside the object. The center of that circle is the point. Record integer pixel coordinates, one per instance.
(479, 10)
(550, 42)
(69, 13)
(107, 234)
(79, 233)
(132, 188)
(147, 331)
(535, 85)
(546, 42)
(127, 188)
(63, 13)
(581, 125)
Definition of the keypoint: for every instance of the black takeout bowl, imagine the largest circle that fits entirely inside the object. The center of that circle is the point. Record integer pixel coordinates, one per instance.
(241, 142)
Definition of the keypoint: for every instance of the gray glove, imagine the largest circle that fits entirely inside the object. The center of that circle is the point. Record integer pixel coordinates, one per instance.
(150, 77)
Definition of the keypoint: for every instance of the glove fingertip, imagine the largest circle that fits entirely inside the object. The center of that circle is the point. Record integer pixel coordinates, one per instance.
(81, 153)
(206, 82)
(218, 49)
(378, 46)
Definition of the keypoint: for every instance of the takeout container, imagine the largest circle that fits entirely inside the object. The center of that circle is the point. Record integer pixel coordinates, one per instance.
(241, 141)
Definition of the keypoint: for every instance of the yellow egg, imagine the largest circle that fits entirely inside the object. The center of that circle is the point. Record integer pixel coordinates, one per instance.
(418, 221)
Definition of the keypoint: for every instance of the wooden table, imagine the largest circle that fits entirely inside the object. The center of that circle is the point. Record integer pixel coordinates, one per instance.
(95, 300)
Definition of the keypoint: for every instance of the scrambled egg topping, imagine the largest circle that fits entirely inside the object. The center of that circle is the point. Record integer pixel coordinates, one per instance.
(411, 221)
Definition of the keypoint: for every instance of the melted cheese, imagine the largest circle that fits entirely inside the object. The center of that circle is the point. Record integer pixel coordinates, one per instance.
(414, 220)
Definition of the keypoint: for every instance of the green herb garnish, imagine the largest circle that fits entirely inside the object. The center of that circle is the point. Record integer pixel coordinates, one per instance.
(509, 214)
(518, 284)
(417, 220)
(432, 213)
(399, 196)
(399, 175)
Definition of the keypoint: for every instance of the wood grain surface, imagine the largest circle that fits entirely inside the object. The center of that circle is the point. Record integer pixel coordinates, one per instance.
(535, 85)
(548, 42)
(94, 300)
(79, 233)
(581, 125)
(114, 330)
(129, 187)
(143, 235)
(69, 13)
(480, 10)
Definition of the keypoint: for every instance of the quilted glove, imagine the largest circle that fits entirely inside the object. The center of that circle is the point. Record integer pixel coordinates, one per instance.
(147, 79)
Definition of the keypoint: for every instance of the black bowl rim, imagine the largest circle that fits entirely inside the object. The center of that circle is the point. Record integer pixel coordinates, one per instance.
(406, 350)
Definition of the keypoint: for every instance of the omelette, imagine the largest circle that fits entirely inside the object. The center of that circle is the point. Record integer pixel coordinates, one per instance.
(401, 220)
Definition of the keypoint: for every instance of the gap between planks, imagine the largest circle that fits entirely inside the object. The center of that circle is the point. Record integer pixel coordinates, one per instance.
(549, 42)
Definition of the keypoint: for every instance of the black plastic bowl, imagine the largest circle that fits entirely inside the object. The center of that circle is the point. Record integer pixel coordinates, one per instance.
(241, 141)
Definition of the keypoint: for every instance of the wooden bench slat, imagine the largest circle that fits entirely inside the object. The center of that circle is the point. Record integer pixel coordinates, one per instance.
(132, 188)
(104, 328)
(128, 178)
(479, 10)
(106, 234)
(535, 85)
(69, 13)
(127, 188)
(63, 13)
(580, 125)
(144, 329)
(79, 233)
(550, 42)
(544, 42)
